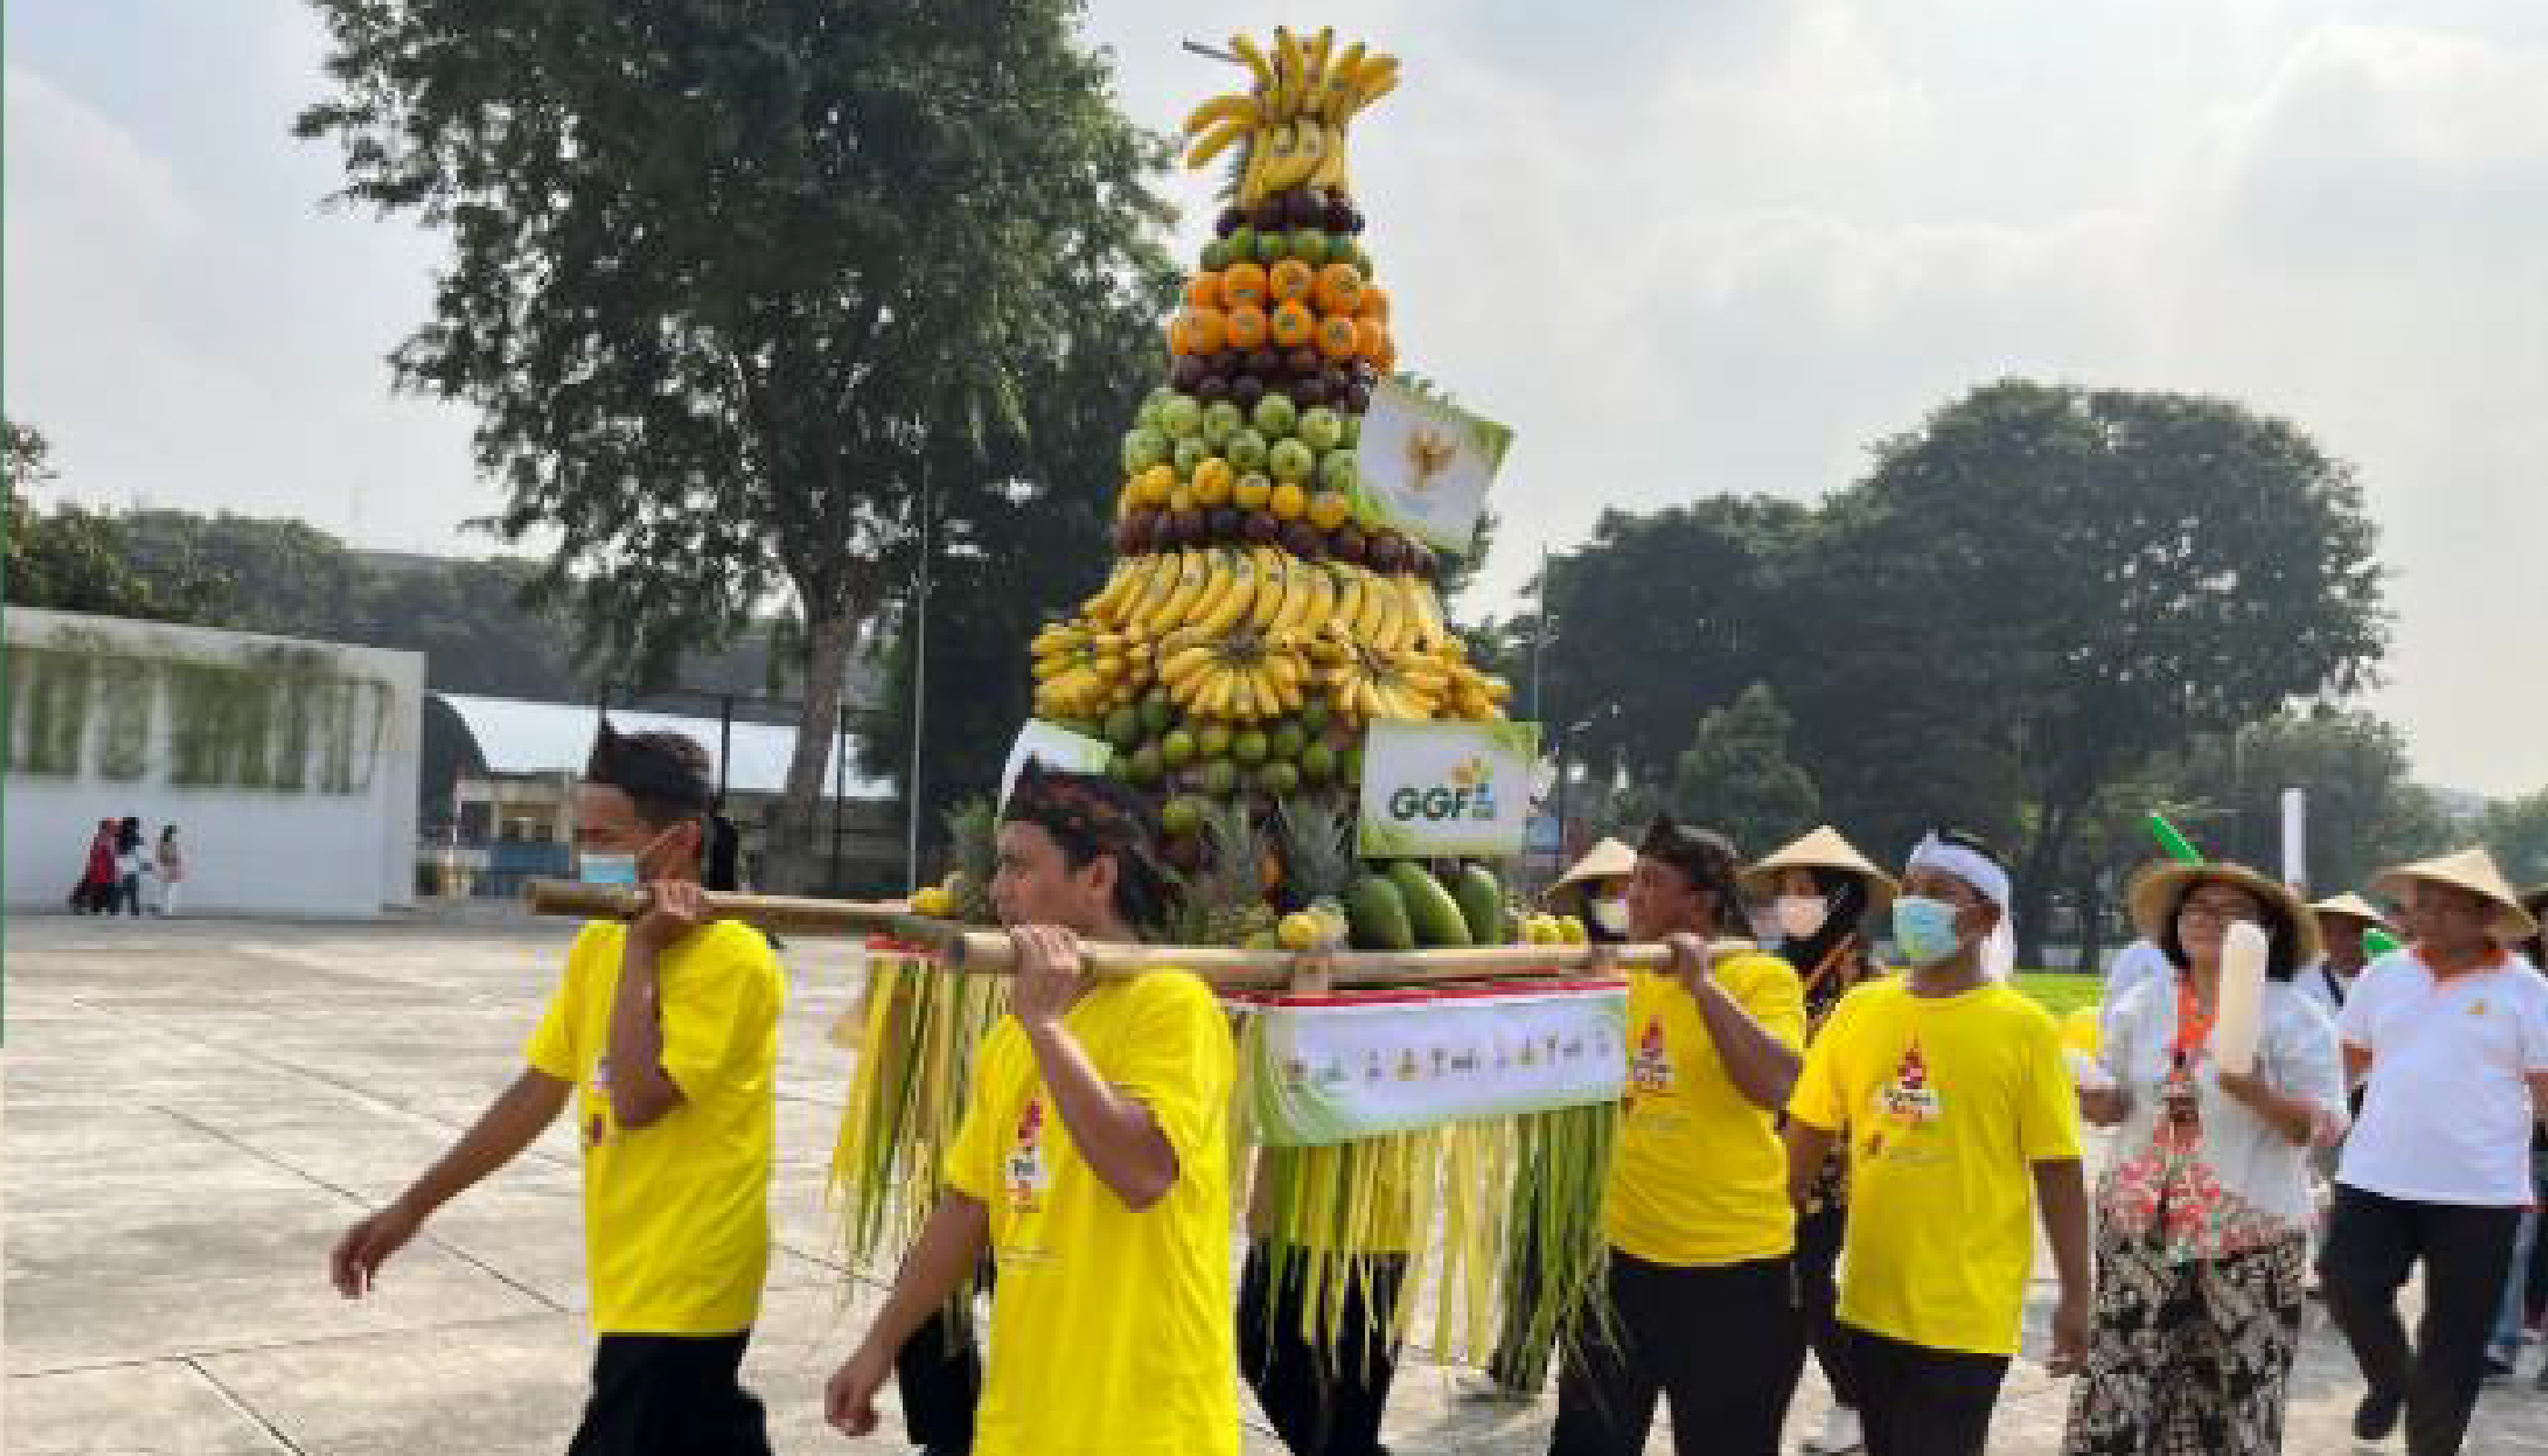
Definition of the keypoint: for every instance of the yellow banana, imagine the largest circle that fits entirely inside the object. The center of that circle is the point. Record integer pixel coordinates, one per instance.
(1282, 159)
(1237, 106)
(1145, 595)
(1398, 627)
(1321, 614)
(1245, 50)
(1320, 50)
(1308, 150)
(1155, 617)
(1348, 617)
(1217, 142)
(1234, 604)
(1288, 77)
(1217, 584)
(1369, 92)
(1272, 583)
(1335, 88)
(1329, 173)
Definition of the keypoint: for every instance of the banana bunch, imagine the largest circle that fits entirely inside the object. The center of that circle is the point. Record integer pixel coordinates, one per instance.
(1214, 591)
(1472, 695)
(1082, 670)
(1243, 675)
(1293, 117)
(1383, 611)
(1375, 682)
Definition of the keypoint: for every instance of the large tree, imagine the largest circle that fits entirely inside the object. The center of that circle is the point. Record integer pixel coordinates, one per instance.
(2516, 830)
(2048, 586)
(71, 559)
(1736, 776)
(2364, 810)
(732, 279)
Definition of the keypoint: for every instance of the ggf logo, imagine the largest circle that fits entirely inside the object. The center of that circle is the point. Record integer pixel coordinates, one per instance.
(1468, 795)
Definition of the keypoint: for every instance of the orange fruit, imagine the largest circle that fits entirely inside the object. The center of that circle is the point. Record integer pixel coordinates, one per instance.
(1293, 281)
(1177, 336)
(1204, 290)
(1243, 285)
(1339, 288)
(1206, 330)
(1329, 510)
(1337, 338)
(1252, 492)
(1374, 304)
(1247, 326)
(1156, 483)
(1288, 501)
(1370, 337)
(1293, 324)
(1211, 481)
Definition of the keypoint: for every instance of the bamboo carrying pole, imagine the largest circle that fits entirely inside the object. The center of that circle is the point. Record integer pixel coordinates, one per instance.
(991, 952)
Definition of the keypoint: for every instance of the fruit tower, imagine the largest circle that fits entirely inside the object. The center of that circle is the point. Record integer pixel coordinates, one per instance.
(1259, 616)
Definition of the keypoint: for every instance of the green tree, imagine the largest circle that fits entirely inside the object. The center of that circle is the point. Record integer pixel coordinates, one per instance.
(2045, 586)
(1646, 625)
(732, 281)
(69, 558)
(1736, 775)
(2516, 830)
(2364, 810)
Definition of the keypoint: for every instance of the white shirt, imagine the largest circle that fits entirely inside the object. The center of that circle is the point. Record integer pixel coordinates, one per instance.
(2259, 1176)
(2323, 985)
(2136, 962)
(2446, 1115)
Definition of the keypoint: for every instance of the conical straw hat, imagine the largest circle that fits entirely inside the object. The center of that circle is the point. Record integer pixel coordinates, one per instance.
(1609, 860)
(2156, 891)
(2474, 870)
(1823, 849)
(2351, 904)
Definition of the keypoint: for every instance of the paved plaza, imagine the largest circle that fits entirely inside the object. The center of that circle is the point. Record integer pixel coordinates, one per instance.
(194, 1110)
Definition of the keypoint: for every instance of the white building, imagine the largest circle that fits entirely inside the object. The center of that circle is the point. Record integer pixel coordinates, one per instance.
(288, 766)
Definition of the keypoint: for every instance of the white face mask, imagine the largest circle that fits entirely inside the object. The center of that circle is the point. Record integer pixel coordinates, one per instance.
(1801, 917)
(1609, 915)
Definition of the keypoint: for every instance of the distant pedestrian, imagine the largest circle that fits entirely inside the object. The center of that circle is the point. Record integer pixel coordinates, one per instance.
(130, 867)
(95, 894)
(172, 869)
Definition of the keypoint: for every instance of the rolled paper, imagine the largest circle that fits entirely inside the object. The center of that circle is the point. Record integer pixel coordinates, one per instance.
(2174, 845)
(2242, 994)
(2377, 942)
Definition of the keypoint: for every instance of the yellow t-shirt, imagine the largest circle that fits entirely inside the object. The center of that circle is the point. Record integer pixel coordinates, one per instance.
(1111, 1330)
(1947, 1104)
(677, 1215)
(1701, 1177)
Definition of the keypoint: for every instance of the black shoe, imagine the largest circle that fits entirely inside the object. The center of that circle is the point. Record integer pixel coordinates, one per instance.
(2497, 1367)
(2377, 1415)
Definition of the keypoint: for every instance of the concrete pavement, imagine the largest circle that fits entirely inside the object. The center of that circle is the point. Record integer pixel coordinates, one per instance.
(197, 1109)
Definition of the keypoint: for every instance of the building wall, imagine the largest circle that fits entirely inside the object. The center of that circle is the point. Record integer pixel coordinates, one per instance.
(288, 766)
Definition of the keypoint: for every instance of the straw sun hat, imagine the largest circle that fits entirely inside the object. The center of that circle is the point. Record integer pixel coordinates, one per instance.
(1824, 849)
(1609, 860)
(2349, 904)
(2155, 893)
(2474, 870)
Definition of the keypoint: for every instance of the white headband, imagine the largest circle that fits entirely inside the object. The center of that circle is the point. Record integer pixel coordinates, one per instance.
(1969, 866)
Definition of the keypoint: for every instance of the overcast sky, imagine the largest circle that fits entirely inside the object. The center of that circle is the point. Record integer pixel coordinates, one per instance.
(1681, 248)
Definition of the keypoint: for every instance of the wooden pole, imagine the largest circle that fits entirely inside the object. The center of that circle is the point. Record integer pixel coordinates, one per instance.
(991, 952)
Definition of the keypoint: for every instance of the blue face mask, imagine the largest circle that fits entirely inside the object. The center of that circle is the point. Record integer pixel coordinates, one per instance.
(1924, 930)
(620, 869)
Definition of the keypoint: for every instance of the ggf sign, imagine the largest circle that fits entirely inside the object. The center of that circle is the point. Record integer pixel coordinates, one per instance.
(1433, 791)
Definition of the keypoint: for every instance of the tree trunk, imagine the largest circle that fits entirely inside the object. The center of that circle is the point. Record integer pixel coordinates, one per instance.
(2092, 920)
(2035, 881)
(799, 837)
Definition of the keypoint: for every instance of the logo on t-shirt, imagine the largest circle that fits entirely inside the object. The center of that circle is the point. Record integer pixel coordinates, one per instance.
(1909, 1097)
(1027, 1175)
(597, 1129)
(1650, 1070)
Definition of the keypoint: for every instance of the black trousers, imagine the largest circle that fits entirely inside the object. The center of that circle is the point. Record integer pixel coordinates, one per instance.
(669, 1395)
(1321, 1402)
(2372, 1243)
(1818, 1239)
(1918, 1402)
(939, 1371)
(1724, 1344)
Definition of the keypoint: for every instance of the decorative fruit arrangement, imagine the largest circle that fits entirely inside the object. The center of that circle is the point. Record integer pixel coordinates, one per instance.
(1254, 622)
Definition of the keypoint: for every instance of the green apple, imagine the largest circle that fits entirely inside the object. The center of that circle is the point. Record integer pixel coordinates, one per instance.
(1314, 716)
(1309, 245)
(1216, 255)
(1318, 763)
(1177, 749)
(1181, 816)
(1249, 749)
(1221, 778)
(1242, 245)
(1291, 462)
(1191, 452)
(1320, 429)
(1222, 418)
(1214, 741)
(1269, 248)
(1275, 416)
(1338, 471)
(1278, 778)
(1286, 741)
(1245, 449)
(1353, 432)
(1180, 416)
(1144, 447)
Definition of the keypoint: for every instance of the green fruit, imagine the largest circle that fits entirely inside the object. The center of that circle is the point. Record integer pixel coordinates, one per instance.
(1338, 471)
(1180, 416)
(1481, 905)
(1275, 416)
(1278, 778)
(1318, 763)
(1313, 717)
(1221, 778)
(1291, 460)
(1157, 715)
(1191, 452)
(1124, 728)
(1222, 418)
(1119, 765)
(1144, 445)
(1216, 255)
(1286, 742)
(1242, 245)
(1309, 245)
(1251, 748)
(1429, 907)
(1377, 915)
(1245, 450)
(1269, 248)
(1214, 739)
(1177, 749)
(1181, 816)
(1362, 259)
(1349, 768)
(1147, 767)
(1353, 431)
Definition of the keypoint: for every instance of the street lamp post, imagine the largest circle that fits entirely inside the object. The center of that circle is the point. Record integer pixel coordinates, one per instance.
(918, 691)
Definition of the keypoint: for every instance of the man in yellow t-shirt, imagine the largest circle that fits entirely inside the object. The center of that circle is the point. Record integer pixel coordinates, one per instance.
(1701, 1279)
(1093, 1162)
(664, 1034)
(1951, 1089)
